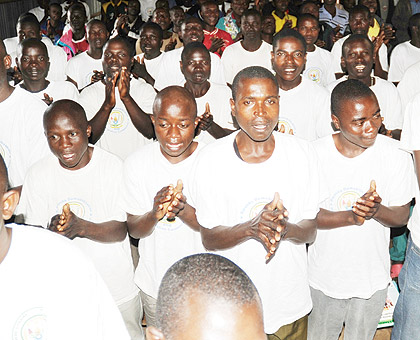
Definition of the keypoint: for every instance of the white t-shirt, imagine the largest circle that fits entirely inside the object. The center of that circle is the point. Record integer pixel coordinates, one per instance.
(145, 173)
(410, 140)
(388, 99)
(337, 53)
(354, 261)
(235, 58)
(226, 191)
(147, 7)
(58, 90)
(93, 193)
(38, 12)
(305, 110)
(152, 65)
(170, 70)
(49, 289)
(11, 44)
(218, 96)
(22, 139)
(80, 68)
(408, 87)
(402, 57)
(120, 136)
(318, 66)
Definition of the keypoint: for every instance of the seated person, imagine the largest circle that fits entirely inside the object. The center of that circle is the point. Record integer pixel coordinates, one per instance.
(268, 28)
(304, 105)
(231, 22)
(282, 16)
(45, 306)
(157, 210)
(119, 124)
(53, 27)
(206, 296)
(78, 197)
(33, 63)
(177, 16)
(333, 16)
(86, 67)
(111, 10)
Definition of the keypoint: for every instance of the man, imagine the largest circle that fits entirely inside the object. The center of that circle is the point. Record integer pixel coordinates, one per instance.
(237, 211)
(281, 15)
(251, 51)
(231, 22)
(170, 72)
(333, 16)
(370, 187)
(111, 10)
(206, 296)
(45, 307)
(119, 124)
(86, 67)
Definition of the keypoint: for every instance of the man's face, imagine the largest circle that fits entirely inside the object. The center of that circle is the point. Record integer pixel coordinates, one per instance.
(239, 6)
(133, 8)
(97, 35)
(358, 59)
(288, 58)
(77, 19)
(115, 57)
(196, 66)
(34, 63)
(55, 12)
(68, 141)
(268, 25)
(349, 4)
(175, 124)
(251, 27)
(177, 16)
(281, 5)
(359, 23)
(161, 17)
(150, 42)
(210, 14)
(27, 30)
(359, 121)
(310, 8)
(256, 107)
(309, 29)
(329, 2)
(192, 31)
(371, 4)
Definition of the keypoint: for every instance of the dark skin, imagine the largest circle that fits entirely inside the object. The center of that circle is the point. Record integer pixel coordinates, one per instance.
(251, 30)
(77, 19)
(116, 64)
(68, 138)
(280, 11)
(256, 108)
(359, 122)
(329, 5)
(210, 14)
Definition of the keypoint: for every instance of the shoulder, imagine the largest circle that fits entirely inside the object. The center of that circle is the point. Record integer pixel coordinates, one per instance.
(90, 90)
(24, 100)
(141, 158)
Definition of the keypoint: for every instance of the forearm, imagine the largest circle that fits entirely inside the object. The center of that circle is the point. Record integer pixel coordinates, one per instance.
(188, 216)
(140, 119)
(301, 232)
(111, 231)
(327, 219)
(393, 217)
(221, 237)
(99, 121)
(141, 226)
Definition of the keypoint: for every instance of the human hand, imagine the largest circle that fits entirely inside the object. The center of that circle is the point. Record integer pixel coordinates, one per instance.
(16, 75)
(97, 76)
(66, 224)
(171, 45)
(336, 34)
(110, 89)
(377, 43)
(287, 24)
(216, 44)
(124, 83)
(389, 32)
(122, 25)
(164, 199)
(320, 43)
(139, 68)
(367, 206)
(205, 120)
(177, 205)
(47, 99)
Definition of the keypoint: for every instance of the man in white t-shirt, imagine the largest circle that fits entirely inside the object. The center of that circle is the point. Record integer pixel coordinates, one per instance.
(251, 51)
(157, 210)
(22, 140)
(407, 53)
(118, 106)
(318, 60)
(78, 197)
(370, 186)
(359, 24)
(86, 67)
(170, 71)
(357, 59)
(33, 62)
(232, 188)
(66, 299)
(304, 109)
(406, 313)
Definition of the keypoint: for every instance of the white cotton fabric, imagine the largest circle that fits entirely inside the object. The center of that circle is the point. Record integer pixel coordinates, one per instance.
(80, 68)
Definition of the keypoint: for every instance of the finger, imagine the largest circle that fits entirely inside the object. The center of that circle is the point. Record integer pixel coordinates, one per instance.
(372, 186)
(207, 108)
(179, 186)
(273, 204)
(114, 78)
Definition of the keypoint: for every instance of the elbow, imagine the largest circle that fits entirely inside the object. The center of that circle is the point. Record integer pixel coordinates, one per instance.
(206, 240)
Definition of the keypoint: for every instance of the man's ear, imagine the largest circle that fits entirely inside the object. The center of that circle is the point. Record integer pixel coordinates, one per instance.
(10, 201)
(343, 64)
(152, 333)
(180, 66)
(336, 122)
(7, 60)
(153, 119)
(89, 131)
(232, 107)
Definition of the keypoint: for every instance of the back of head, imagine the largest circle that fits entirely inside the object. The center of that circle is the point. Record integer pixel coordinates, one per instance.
(351, 89)
(289, 33)
(251, 72)
(208, 275)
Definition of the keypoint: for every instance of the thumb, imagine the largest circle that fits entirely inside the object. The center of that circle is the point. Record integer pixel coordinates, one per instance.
(372, 186)
(66, 209)
(207, 108)
(179, 186)
(274, 203)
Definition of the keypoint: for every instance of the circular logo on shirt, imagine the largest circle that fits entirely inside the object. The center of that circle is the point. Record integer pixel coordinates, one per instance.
(253, 208)
(314, 74)
(117, 121)
(286, 126)
(169, 225)
(78, 207)
(345, 199)
(31, 325)
(5, 153)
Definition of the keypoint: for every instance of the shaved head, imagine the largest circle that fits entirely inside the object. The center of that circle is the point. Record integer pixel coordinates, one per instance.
(69, 108)
(174, 95)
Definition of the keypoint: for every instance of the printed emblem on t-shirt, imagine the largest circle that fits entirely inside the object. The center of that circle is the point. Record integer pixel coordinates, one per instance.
(253, 208)
(32, 324)
(169, 225)
(314, 74)
(5, 153)
(117, 121)
(287, 124)
(344, 199)
(78, 207)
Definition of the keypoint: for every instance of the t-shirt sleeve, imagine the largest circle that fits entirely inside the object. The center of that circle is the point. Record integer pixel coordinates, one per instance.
(144, 95)
(410, 136)
(88, 98)
(323, 119)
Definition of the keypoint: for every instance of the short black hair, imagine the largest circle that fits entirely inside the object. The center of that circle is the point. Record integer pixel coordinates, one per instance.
(251, 11)
(359, 9)
(307, 16)
(194, 45)
(351, 89)
(29, 18)
(251, 72)
(208, 2)
(154, 26)
(31, 42)
(71, 108)
(355, 37)
(289, 33)
(208, 275)
(95, 21)
(305, 3)
(414, 20)
(125, 42)
(76, 6)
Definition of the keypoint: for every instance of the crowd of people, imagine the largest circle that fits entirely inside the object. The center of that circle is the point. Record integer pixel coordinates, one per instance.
(210, 169)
